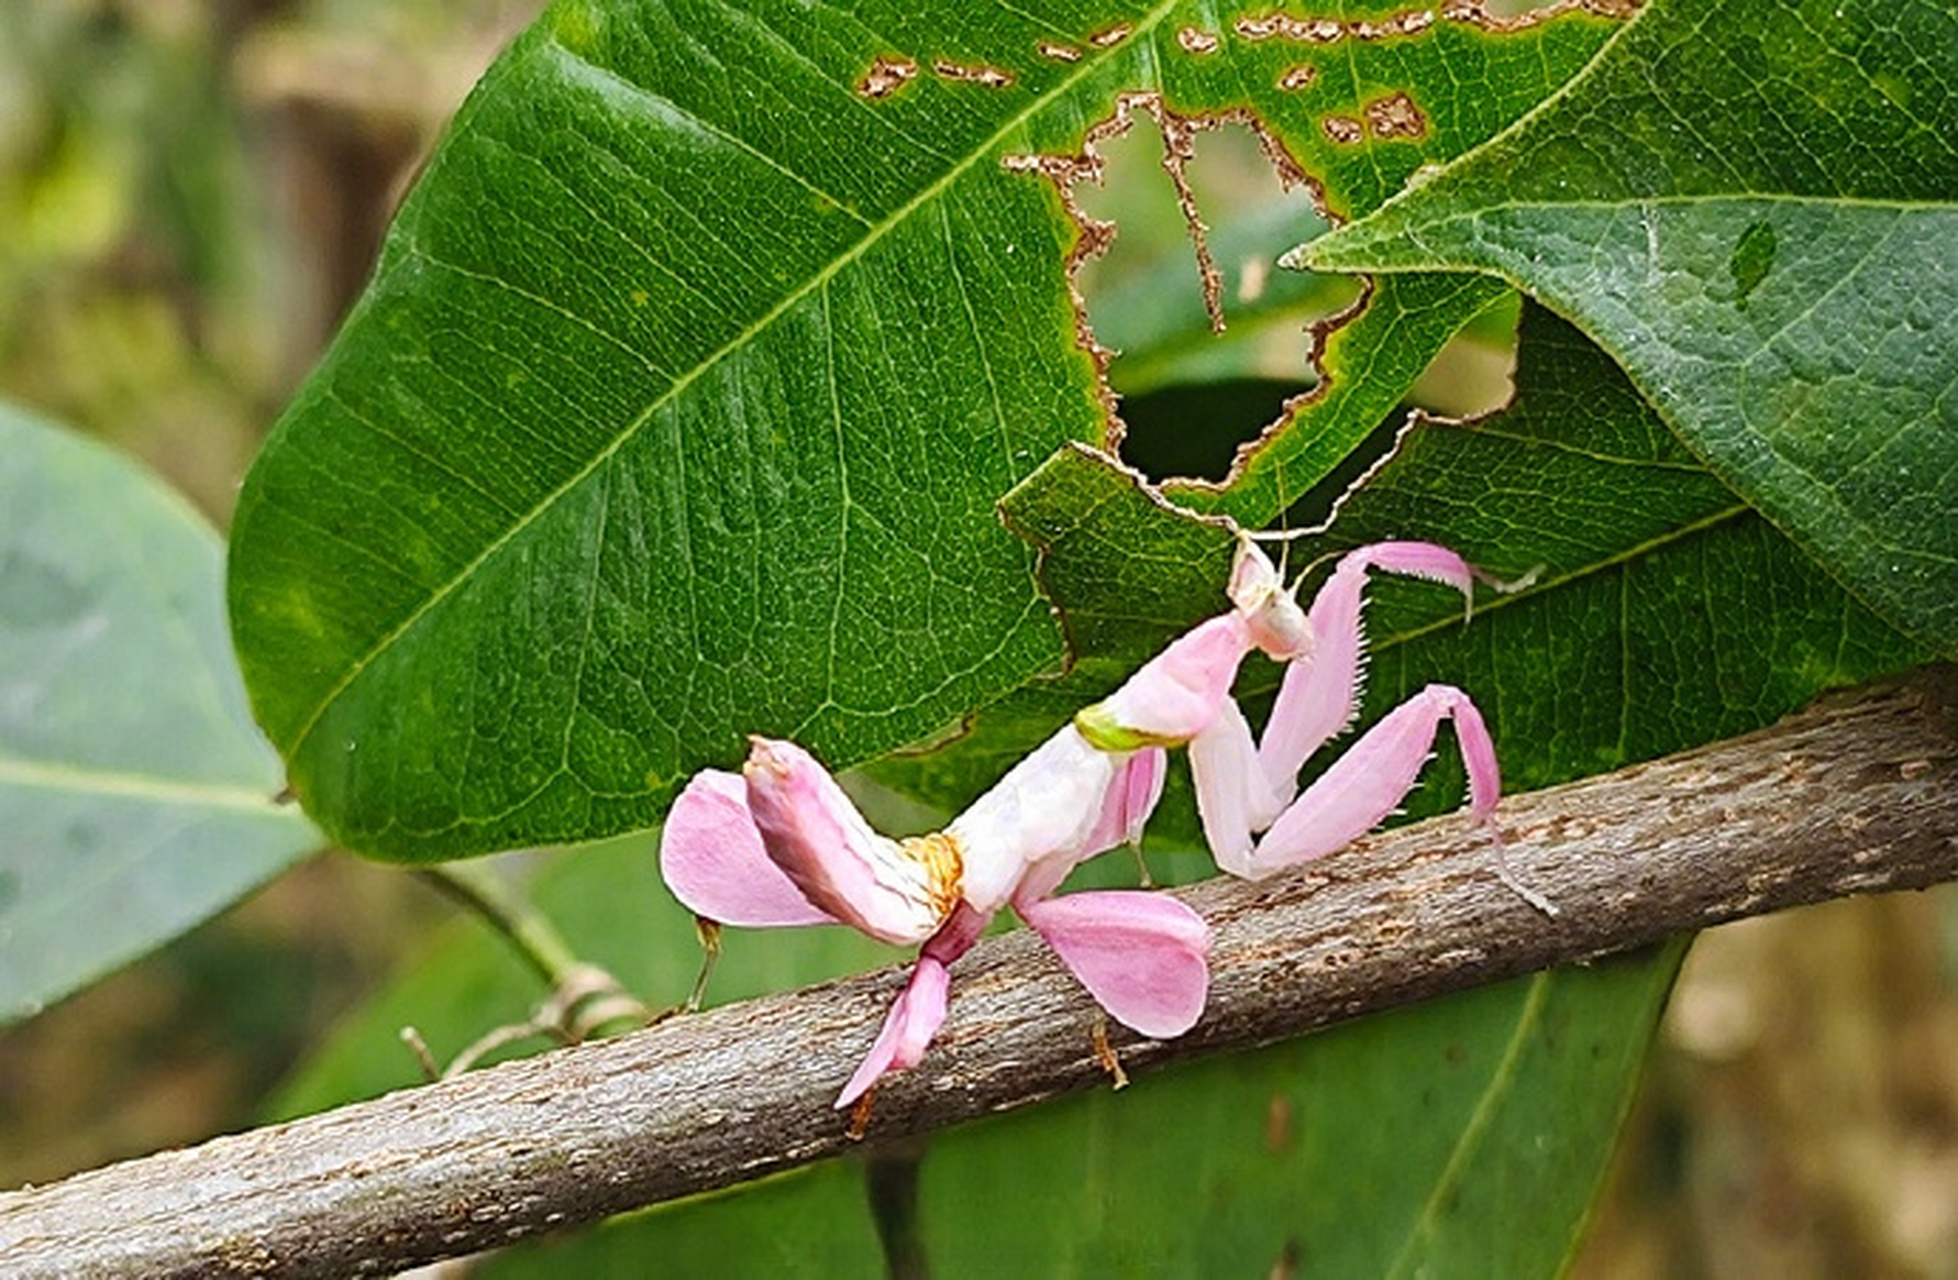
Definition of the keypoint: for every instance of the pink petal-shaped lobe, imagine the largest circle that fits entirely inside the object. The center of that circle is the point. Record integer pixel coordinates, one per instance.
(711, 857)
(1176, 694)
(1141, 955)
(809, 828)
(913, 1020)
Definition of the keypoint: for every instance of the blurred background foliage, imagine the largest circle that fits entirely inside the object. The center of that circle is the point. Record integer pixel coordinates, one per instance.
(191, 194)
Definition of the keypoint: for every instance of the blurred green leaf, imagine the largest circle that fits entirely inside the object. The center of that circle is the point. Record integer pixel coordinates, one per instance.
(136, 797)
(1751, 206)
(672, 415)
(1306, 1158)
(1152, 313)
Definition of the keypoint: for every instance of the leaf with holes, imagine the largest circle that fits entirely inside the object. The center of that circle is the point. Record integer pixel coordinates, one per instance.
(1667, 614)
(1752, 207)
(693, 369)
(136, 798)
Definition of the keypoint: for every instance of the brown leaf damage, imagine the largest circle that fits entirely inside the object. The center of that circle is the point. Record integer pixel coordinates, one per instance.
(1396, 116)
(979, 73)
(886, 76)
(1393, 115)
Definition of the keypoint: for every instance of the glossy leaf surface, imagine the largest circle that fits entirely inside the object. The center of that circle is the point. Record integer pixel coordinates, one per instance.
(136, 796)
(693, 369)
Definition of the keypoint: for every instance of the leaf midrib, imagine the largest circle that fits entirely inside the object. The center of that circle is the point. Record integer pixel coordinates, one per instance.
(1499, 1086)
(873, 233)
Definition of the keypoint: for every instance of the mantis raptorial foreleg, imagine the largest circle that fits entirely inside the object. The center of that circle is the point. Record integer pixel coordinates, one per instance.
(1246, 787)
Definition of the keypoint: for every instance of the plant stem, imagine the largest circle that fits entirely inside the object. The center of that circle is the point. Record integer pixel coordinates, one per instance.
(528, 930)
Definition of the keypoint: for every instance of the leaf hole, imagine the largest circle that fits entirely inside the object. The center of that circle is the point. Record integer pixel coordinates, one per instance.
(1471, 377)
(1206, 337)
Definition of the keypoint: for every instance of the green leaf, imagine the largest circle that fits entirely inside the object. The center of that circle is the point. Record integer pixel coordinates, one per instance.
(1307, 1158)
(1666, 613)
(136, 797)
(690, 376)
(1370, 363)
(1751, 206)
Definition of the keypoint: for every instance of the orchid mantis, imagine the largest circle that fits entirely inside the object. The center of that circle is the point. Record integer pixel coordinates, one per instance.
(781, 844)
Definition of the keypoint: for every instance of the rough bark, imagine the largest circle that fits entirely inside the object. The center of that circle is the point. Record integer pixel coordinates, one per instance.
(1857, 795)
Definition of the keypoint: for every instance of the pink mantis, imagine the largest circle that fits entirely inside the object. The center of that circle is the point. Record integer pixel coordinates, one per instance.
(780, 843)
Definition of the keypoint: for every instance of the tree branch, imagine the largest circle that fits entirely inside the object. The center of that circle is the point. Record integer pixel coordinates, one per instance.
(1857, 795)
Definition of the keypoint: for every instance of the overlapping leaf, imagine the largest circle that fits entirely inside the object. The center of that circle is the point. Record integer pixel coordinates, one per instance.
(1751, 206)
(693, 369)
(136, 797)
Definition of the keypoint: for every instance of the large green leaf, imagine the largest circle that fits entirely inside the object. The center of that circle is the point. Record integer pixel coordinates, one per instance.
(136, 797)
(691, 373)
(1307, 1158)
(1754, 208)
